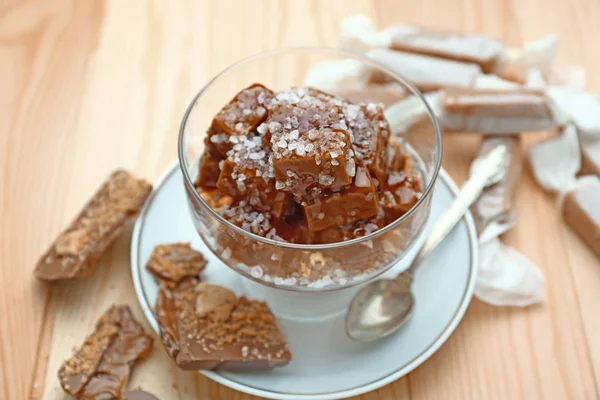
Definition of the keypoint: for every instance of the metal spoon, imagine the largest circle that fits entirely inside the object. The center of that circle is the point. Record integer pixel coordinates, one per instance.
(384, 305)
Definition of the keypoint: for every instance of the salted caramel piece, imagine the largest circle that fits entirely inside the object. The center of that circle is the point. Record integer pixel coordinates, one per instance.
(243, 114)
(247, 174)
(208, 172)
(100, 369)
(384, 93)
(581, 212)
(355, 202)
(496, 203)
(402, 188)
(590, 157)
(310, 141)
(335, 234)
(482, 50)
(176, 261)
(497, 111)
(426, 73)
(247, 339)
(371, 131)
(102, 219)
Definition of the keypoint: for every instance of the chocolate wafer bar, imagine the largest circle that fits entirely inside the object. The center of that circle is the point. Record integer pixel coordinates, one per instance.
(103, 218)
(100, 369)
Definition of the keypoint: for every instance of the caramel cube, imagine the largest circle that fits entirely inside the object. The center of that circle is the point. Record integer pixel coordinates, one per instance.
(208, 172)
(371, 132)
(243, 114)
(310, 141)
(247, 175)
(402, 187)
(354, 202)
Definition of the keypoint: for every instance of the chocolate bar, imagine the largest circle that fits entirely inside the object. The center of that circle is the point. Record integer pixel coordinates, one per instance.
(482, 50)
(498, 111)
(496, 203)
(426, 73)
(580, 211)
(205, 326)
(100, 369)
(102, 219)
(175, 262)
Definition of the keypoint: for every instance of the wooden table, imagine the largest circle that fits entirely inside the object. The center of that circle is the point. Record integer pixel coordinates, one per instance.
(89, 86)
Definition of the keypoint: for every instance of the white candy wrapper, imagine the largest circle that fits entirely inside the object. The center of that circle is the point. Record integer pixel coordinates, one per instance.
(408, 112)
(539, 54)
(556, 161)
(505, 277)
(582, 107)
(490, 81)
(358, 34)
(427, 73)
(570, 76)
(330, 75)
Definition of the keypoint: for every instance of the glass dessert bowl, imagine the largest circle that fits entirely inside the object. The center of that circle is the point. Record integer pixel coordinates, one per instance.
(317, 203)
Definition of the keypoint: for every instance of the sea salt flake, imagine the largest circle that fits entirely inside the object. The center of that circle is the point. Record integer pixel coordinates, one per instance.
(262, 128)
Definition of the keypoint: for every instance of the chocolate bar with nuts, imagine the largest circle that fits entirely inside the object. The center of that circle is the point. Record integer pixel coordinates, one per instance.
(206, 326)
(100, 369)
(76, 250)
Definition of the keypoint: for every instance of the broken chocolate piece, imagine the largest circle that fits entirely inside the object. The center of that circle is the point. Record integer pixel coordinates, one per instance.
(100, 369)
(77, 249)
(581, 212)
(426, 73)
(199, 333)
(498, 111)
(176, 261)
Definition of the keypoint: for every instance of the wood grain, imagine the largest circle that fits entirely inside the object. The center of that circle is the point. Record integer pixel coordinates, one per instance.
(89, 86)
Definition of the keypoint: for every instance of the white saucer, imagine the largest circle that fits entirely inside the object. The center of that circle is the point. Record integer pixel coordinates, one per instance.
(326, 363)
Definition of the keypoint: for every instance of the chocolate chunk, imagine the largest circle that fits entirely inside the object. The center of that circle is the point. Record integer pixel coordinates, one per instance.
(497, 111)
(103, 218)
(204, 326)
(176, 261)
(139, 395)
(581, 212)
(100, 369)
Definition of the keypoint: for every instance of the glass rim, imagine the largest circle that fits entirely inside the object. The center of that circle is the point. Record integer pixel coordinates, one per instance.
(298, 246)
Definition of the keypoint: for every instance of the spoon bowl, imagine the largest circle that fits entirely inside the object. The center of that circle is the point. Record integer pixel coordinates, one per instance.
(378, 309)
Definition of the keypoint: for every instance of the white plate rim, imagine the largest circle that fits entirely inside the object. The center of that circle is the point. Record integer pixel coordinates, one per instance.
(404, 370)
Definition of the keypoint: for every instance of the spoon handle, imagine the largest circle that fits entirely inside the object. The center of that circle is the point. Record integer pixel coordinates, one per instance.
(471, 190)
